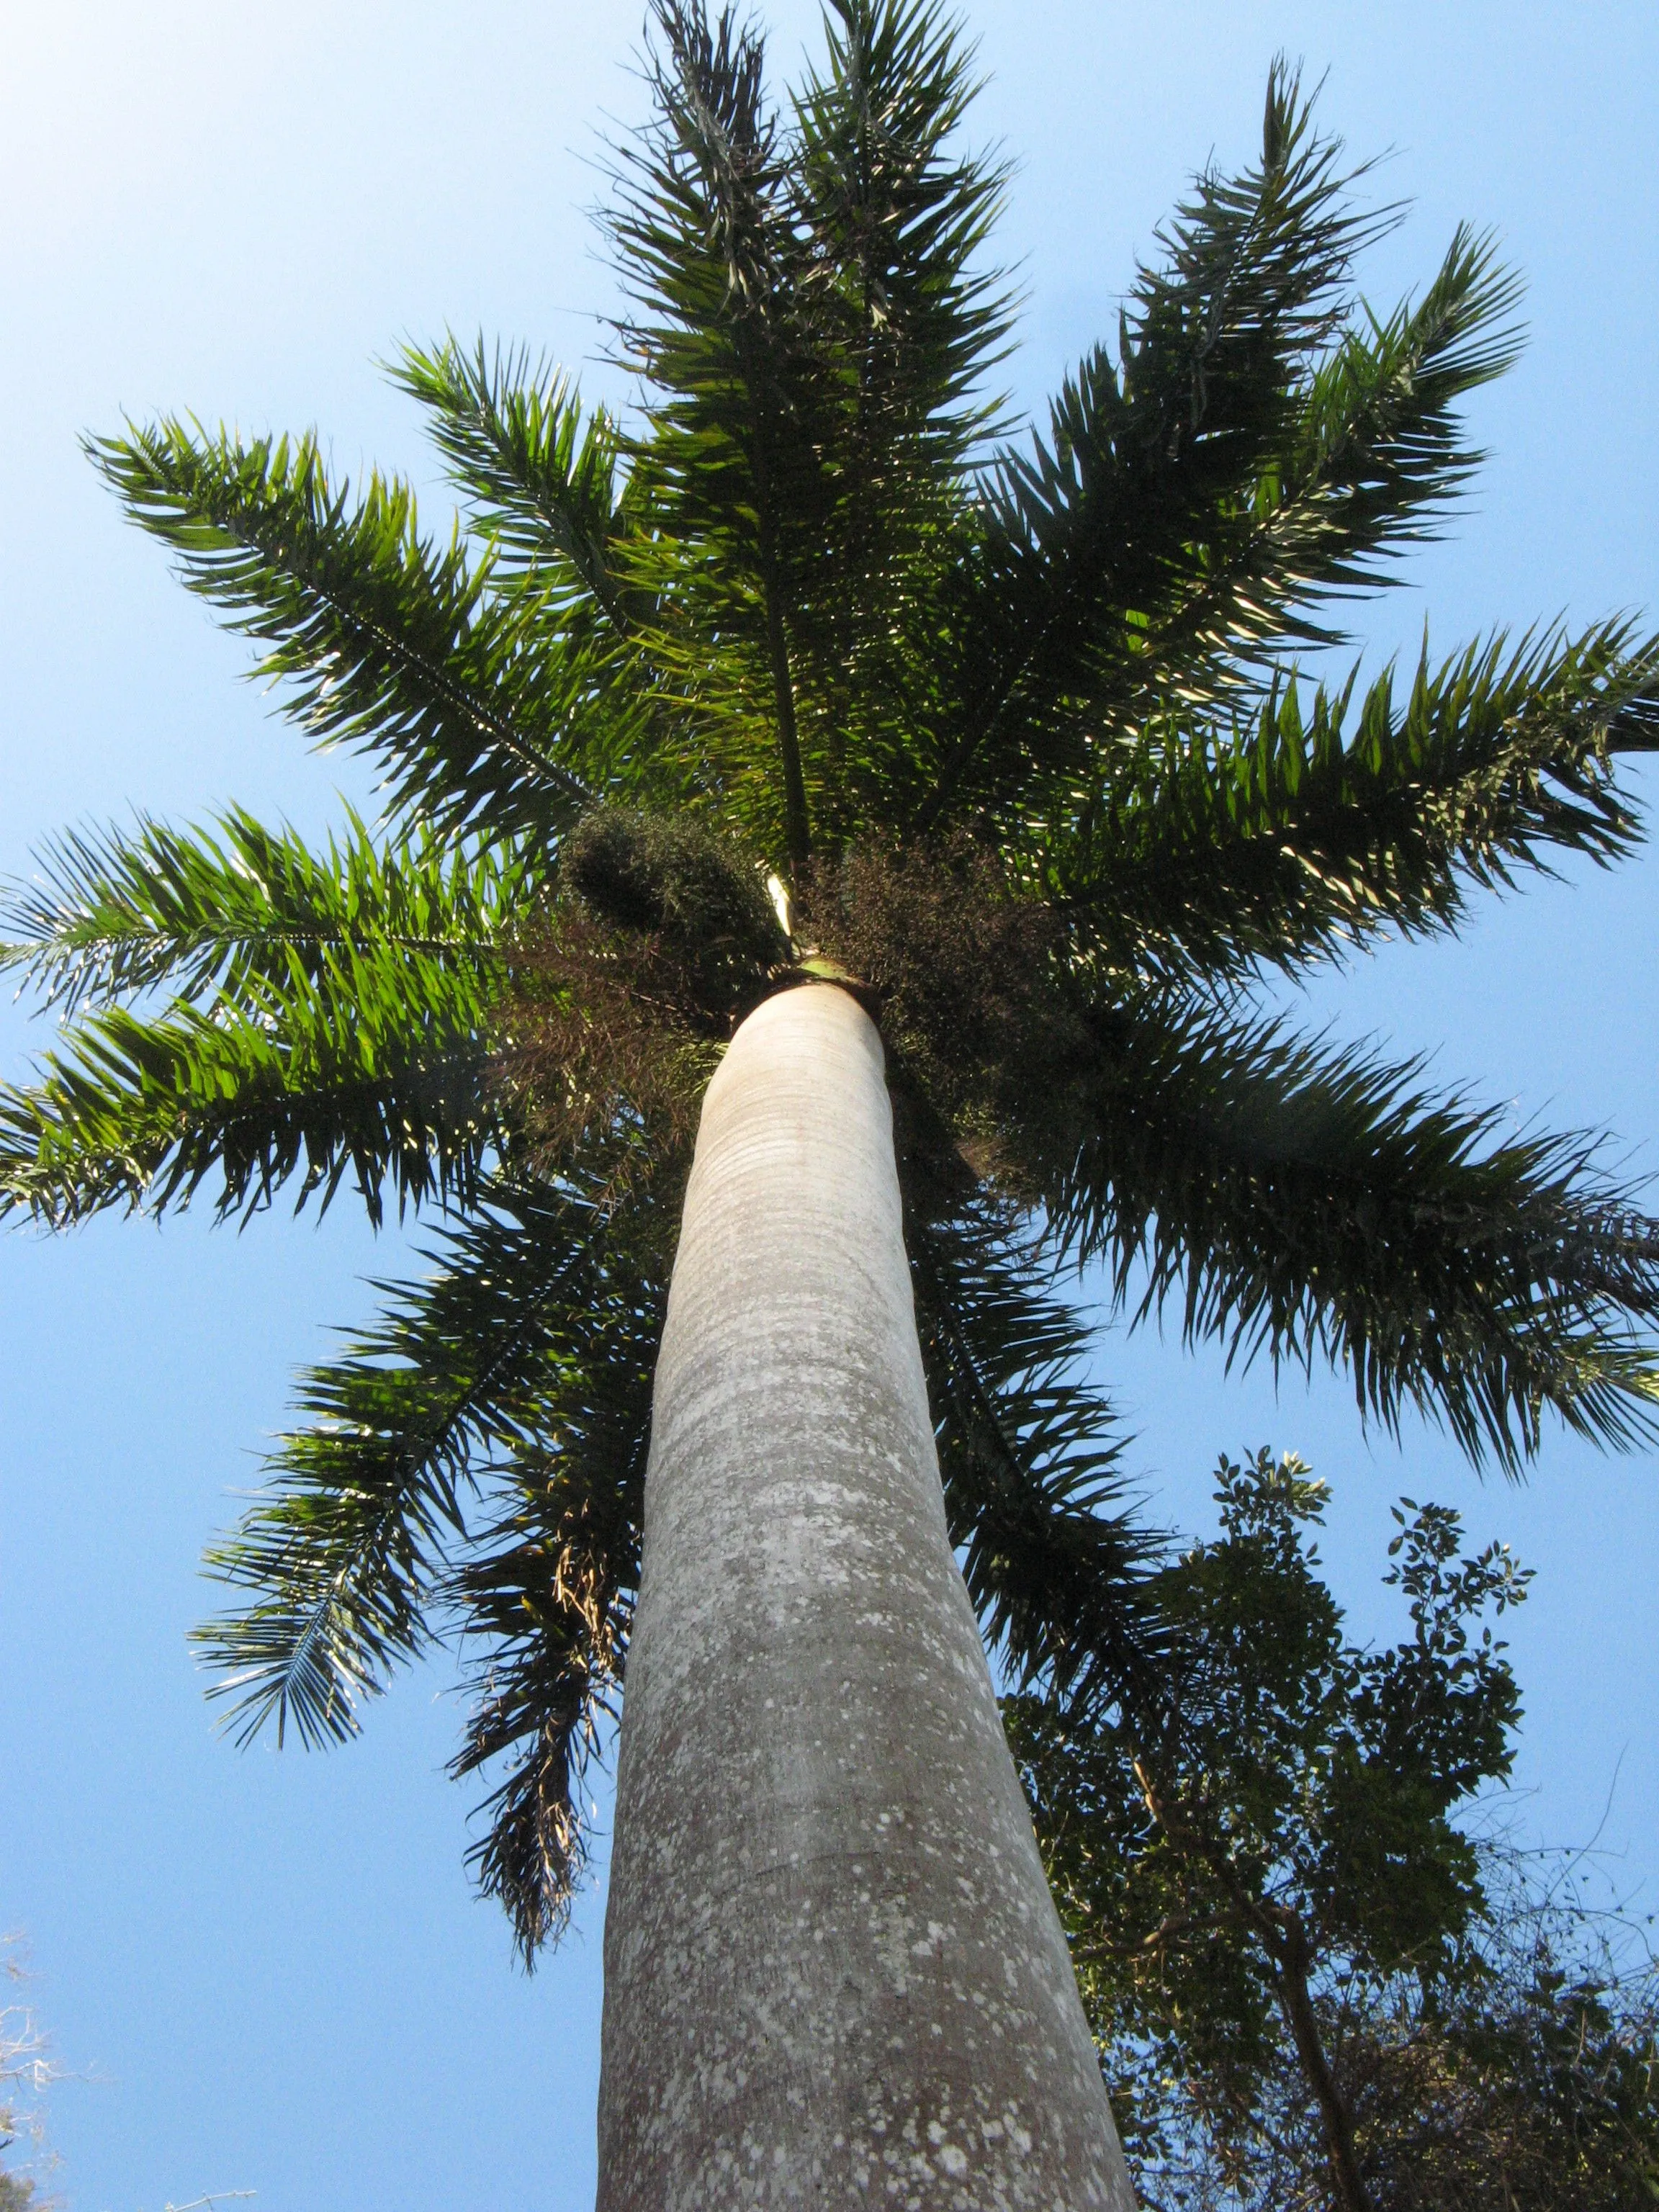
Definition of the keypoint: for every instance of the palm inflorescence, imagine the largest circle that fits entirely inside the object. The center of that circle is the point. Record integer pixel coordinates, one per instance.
(1015, 730)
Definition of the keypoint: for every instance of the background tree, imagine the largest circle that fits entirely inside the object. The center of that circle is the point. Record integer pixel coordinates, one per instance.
(25, 2071)
(1311, 1984)
(1529, 2081)
(1041, 702)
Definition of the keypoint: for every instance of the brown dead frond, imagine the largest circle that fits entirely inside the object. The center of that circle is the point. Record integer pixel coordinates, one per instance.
(552, 1607)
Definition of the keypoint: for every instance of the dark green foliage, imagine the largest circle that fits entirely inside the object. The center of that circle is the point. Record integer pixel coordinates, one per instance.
(1288, 1200)
(473, 1467)
(1279, 1769)
(1033, 1487)
(1020, 728)
(1276, 1819)
(326, 1016)
(1291, 1950)
(544, 1599)
(1282, 837)
(1306, 1202)
(384, 641)
(1254, 448)
(1534, 2085)
(812, 331)
(539, 478)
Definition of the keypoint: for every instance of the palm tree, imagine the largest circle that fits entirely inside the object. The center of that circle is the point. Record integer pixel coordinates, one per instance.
(831, 858)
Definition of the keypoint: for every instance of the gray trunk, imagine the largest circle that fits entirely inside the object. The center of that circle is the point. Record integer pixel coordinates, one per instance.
(833, 1974)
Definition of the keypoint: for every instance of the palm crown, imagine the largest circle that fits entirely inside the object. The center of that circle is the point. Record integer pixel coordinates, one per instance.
(1017, 733)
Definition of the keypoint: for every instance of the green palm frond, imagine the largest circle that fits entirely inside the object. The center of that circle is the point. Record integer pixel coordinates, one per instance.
(731, 477)
(540, 475)
(365, 1526)
(552, 1624)
(237, 910)
(1374, 453)
(1033, 1485)
(1194, 508)
(913, 321)
(1301, 1202)
(544, 1604)
(545, 487)
(384, 643)
(898, 215)
(374, 1067)
(913, 318)
(1093, 543)
(814, 332)
(1330, 817)
(1379, 448)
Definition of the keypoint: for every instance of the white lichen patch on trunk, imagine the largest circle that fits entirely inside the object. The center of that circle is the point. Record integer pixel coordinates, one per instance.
(833, 1974)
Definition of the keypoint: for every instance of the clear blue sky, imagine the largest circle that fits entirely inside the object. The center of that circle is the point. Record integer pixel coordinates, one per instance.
(270, 1969)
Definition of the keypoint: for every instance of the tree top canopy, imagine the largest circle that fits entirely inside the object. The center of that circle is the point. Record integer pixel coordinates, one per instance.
(1015, 728)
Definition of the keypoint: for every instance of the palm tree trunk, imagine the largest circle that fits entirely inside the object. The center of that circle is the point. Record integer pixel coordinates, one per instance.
(833, 1974)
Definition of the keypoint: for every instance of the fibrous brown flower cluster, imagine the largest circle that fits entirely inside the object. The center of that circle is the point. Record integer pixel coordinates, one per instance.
(625, 988)
(662, 937)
